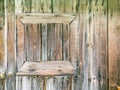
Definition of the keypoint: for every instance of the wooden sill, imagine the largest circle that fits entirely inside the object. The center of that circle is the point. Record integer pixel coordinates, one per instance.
(47, 68)
(47, 18)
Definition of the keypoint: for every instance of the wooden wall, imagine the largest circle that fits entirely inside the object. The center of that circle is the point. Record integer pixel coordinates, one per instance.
(97, 42)
(2, 42)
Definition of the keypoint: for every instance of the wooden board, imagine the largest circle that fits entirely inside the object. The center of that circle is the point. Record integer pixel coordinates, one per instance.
(47, 18)
(48, 68)
(114, 52)
(11, 60)
(2, 60)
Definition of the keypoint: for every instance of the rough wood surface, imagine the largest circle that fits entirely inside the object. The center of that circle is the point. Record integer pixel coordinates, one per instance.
(114, 52)
(2, 68)
(98, 41)
(48, 68)
(11, 61)
(53, 18)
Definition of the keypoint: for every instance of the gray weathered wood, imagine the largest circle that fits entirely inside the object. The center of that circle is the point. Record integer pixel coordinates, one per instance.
(11, 64)
(48, 68)
(44, 41)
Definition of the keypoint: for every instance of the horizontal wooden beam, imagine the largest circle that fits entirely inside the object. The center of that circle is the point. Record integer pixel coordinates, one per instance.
(46, 68)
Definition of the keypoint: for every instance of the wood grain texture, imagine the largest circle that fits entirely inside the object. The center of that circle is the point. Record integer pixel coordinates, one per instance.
(20, 49)
(48, 68)
(11, 63)
(47, 18)
(2, 68)
(58, 42)
(114, 48)
(95, 32)
(44, 42)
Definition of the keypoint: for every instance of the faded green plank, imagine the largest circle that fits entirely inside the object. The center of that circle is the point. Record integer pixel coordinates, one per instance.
(1, 6)
(10, 6)
(25, 6)
(74, 3)
(68, 6)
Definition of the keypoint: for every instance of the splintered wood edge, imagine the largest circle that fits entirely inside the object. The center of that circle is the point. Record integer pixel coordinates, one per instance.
(48, 68)
(47, 18)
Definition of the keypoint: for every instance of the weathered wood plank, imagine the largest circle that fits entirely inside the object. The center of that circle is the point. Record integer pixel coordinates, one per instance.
(2, 46)
(58, 42)
(47, 18)
(74, 3)
(39, 46)
(33, 41)
(2, 68)
(2, 84)
(2, 7)
(101, 50)
(26, 6)
(68, 6)
(11, 64)
(74, 46)
(55, 5)
(48, 68)
(20, 49)
(44, 42)
(65, 42)
(114, 52)
(51, 42)
(10, 6)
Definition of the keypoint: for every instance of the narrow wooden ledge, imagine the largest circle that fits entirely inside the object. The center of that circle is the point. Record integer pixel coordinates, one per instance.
(47, 68)
(47, 18)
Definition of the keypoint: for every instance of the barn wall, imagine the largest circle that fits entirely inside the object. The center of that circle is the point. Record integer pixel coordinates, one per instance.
(97, 41)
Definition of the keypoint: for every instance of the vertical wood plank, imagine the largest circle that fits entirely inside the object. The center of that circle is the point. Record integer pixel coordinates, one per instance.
(61, 6)
(58, 41)
(74, 3)
(33, 42)
(114, 48)
(39, 42)
(79, 79)
(55, 5)
(26, 83)
(46, 6)
(18, 83)
(44, 42)
(26, 6)
(20, 50)
(68, 5)
(10, 6)
(2, 45)
(101, 50)
(20, 43)
(74, 46)
(11, 64)
(65, 42)
(2, 61)
(18, 6)
(51, 42)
